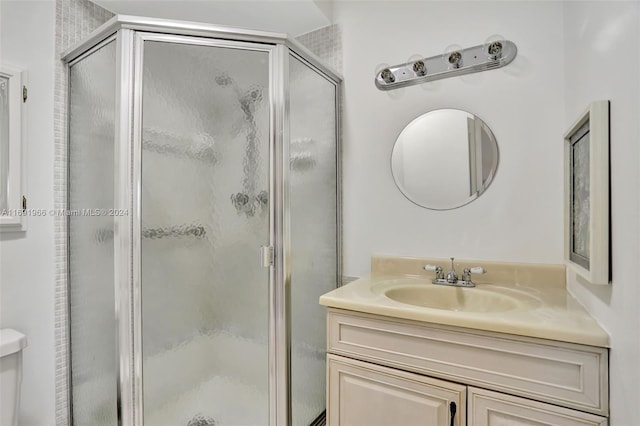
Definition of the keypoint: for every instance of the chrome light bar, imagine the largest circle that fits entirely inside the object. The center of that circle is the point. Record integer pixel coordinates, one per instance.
(488, 56)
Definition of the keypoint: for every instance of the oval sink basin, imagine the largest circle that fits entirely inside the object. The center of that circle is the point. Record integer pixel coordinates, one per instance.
(452, 298)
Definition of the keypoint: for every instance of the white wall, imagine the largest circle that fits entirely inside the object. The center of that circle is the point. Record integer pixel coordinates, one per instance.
(26, 260)
(570, 53)
(602, 46)
(285, 16)
(519, 218)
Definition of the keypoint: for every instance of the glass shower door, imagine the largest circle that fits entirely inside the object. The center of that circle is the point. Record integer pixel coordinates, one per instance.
(204, 216)
(94, 362)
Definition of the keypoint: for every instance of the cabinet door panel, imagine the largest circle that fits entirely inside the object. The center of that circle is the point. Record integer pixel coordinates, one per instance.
(364, 394)
(487, 408)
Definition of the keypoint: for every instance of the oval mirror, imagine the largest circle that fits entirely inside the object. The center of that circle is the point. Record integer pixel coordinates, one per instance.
(444, 159)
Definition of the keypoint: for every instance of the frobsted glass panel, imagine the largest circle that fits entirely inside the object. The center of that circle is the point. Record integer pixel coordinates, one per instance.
(205, 154)
(4, 142)
(313, 233)
(91, 245)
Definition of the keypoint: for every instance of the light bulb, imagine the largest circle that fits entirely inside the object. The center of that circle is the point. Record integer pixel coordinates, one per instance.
(387, 75)
(418, 64)
(419, 68)
(455, 59)
(493, 46)
(452, 56)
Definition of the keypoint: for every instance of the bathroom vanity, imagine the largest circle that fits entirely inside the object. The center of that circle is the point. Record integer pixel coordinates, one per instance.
(514, 350)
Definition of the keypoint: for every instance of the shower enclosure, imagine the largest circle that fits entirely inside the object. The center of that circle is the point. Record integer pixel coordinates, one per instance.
(203, 225)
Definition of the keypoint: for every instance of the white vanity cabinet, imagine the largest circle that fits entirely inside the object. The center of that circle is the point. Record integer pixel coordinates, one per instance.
(388, 371)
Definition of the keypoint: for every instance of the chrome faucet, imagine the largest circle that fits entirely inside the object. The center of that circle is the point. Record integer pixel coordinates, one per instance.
(452, 277)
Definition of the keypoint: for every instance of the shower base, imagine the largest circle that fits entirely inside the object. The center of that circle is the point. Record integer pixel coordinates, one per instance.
(198, 395)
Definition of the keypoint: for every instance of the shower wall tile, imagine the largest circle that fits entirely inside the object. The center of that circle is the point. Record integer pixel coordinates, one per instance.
(75, 19)
(326, 43)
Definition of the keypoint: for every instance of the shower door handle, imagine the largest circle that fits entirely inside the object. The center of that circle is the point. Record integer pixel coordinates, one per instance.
(267, 254)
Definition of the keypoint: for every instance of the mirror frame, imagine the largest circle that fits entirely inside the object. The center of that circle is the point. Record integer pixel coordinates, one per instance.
(596, 268)
(478, 192)
(14, 218)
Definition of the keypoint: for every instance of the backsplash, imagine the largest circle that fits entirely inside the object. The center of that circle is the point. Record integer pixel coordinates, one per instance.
(525, 274)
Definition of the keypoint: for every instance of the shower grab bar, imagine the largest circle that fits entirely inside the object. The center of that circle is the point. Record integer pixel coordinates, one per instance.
(203, 153)
(196, 231)
(198, 146)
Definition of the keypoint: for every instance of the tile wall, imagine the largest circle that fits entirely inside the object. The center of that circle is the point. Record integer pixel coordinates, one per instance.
(326, 43)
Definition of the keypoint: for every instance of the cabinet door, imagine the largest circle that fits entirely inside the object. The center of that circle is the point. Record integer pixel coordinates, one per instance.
(360, 393)
(487, 408)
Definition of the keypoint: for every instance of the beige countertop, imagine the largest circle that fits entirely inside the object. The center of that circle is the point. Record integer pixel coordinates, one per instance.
(544, 311)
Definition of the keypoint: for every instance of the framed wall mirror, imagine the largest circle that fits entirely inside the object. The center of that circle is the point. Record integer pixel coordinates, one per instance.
(444, 159)
(586, 183)
(12, 98)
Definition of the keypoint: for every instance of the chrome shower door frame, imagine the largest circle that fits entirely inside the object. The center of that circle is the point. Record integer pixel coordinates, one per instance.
(280, 280)
(120, 320)
(126, 241)
(130, 33)
(278, 397)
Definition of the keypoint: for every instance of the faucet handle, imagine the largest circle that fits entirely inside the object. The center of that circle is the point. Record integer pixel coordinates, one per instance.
(436, 269)
(466, 275)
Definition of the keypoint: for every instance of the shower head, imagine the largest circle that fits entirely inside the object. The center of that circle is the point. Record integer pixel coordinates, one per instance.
(251, 96)
(249, 100)
(223, 80)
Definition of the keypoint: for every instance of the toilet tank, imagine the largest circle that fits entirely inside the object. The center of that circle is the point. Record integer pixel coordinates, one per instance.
(11, 345)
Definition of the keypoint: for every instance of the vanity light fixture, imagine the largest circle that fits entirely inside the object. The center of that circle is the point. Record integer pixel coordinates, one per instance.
(487, 56)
